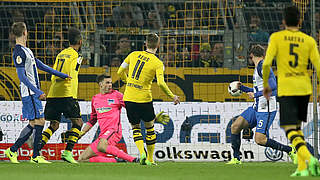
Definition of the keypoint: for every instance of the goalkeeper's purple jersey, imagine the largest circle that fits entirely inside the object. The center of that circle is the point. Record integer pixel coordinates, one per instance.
(106, 109)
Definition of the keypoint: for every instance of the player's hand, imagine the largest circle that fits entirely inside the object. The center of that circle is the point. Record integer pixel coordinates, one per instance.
(42, 96)
(251, 95)
(162, 118)
(68, 78)
(176, 100)
(267, 92)
(239, 85)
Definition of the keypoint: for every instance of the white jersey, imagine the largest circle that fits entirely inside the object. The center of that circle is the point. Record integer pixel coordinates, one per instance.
(260, 103)
(24, 58)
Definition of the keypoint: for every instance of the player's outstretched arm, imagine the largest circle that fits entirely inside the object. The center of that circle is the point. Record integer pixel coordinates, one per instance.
(244, 88)
(23, 78)
(162, 84)
(50, 70)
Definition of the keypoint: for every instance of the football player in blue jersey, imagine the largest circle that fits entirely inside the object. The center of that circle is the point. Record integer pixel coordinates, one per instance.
(261, 114)
(26, 65)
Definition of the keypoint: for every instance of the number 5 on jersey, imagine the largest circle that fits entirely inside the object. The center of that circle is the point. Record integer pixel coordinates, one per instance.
(138, 66)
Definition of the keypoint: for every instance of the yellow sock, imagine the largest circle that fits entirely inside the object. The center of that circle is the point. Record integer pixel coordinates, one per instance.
(297, 139)
(138, 140)
(303, 149)
(151, 139)
(73, 136)
(302, 165)
(46, 134)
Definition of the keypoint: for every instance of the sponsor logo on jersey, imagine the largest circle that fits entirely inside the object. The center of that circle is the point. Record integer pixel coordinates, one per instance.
(110, 101)
(273, 154)
(104, 109)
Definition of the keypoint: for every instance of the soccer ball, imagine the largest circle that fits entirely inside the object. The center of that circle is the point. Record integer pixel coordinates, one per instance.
(233, 89)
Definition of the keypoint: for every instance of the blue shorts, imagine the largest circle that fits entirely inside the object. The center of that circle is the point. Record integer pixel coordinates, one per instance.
(32, 107)
(261, 120)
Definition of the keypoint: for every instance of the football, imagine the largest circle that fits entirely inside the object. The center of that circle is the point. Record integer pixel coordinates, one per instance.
(233, 89)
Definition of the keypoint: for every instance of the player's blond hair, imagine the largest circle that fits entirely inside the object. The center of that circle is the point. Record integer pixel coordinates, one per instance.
(152, 41)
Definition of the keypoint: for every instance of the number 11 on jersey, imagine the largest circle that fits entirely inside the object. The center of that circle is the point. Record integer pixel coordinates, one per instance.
(136, 74)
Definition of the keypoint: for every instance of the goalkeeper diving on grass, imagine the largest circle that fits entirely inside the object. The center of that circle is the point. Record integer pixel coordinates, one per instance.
(106, 109)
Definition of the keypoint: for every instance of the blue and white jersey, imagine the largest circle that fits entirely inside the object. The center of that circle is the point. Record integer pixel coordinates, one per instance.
(260, 102)
(24, 59)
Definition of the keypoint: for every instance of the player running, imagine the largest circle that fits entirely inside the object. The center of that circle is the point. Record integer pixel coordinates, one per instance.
(261, 114)
(62, 97)
(292, 50)
(143, 67)
(26, 65)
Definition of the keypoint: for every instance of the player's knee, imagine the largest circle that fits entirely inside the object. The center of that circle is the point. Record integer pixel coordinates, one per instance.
(54, 125)
(102, 145)
(260, 139)
(235, 128)
(31, 123)
(149, 124)
(77, 121)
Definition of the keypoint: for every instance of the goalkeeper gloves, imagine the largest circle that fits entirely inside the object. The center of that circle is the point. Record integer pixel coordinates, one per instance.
(162, 118)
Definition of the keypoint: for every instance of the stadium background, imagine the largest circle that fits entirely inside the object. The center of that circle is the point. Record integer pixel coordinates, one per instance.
(204, 47)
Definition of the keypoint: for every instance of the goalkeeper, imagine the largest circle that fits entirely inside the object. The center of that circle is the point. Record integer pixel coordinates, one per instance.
(106, 108)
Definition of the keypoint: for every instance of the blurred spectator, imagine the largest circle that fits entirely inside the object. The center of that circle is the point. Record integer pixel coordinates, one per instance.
(173, 57)
(115, 62)
(163, 13)
(205, 57)
(172, 11)
(257, 34)
(153, 22)
(53, 47)
(137, 16)
(122, 50)
(128, 15)
(218, 54)
(17, 15)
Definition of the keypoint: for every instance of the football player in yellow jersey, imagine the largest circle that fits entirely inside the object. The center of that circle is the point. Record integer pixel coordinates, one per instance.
(62, 96)
(292, 50)
(143, 67)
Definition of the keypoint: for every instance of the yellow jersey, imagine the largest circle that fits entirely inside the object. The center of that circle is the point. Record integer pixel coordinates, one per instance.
(292, 50)
(67, 61)
(143, 67)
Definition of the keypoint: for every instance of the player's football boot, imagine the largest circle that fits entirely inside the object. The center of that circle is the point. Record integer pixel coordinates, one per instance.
(234, 161)
(314, 167)
(300, 173)
(67, 156)
(148, 163)
(136, 160)
(143, 159)
(293, 155)
(40, 160)
(13, 156)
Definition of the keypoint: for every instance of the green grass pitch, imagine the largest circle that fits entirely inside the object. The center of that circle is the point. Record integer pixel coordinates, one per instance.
(164, 171)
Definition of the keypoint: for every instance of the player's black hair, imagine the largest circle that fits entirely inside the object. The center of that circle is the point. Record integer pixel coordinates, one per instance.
(291, 16)
(18, 28)
(101, 77)
(152, 40)
(257, 50)
(74, 36)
